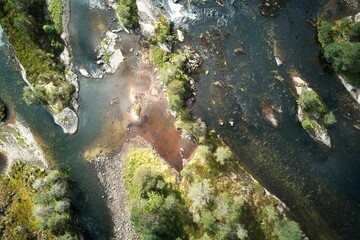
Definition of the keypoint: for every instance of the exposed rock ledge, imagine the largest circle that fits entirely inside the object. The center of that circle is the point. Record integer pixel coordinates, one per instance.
(318, 132)
(354, 91)
(17, 142)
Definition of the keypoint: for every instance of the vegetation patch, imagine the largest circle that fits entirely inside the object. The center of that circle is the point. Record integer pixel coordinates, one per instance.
(34, 204)
(37, 44)
(127, 14)
(213, 199)
(341, 44)
(314, 109)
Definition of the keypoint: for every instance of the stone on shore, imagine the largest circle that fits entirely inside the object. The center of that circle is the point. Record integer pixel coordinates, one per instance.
(84, 72)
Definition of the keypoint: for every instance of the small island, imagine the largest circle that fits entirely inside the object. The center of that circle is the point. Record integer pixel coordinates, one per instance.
(312, 112)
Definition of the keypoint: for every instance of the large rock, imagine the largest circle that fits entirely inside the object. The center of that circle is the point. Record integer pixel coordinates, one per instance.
(110, 58)
(357, 18)
(148, 15)
(67, 120)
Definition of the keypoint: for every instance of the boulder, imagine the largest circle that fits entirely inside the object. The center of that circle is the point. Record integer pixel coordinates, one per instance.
(84, 72)
(67, 120)
(279, 62)
(357, 18)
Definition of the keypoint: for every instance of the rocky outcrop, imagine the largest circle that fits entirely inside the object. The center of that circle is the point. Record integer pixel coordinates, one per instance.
(317, 131)
(108, 56)
(148, 15)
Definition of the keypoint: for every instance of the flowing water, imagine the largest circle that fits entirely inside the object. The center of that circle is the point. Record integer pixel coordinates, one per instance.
(321, 186)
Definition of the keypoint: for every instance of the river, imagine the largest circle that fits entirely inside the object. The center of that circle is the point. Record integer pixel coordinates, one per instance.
(321, 186)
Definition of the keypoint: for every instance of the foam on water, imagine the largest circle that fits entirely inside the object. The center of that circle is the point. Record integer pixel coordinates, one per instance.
(96, 4)
(177, 12)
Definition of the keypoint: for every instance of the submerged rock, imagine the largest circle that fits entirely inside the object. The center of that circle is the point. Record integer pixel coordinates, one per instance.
(239, 51)
(270, 116)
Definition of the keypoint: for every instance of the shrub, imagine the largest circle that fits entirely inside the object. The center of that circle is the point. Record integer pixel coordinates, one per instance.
(223, 154)
(157, 56)
(287, 230)
(56, 10)
(306, 123)
(311, 103)
(200, 193)
(329, 119)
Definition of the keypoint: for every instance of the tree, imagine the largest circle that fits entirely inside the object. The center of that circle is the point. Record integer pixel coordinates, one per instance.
(287, 230)
(148, 181)
(200, 193)
(344, 56)
(325, 33)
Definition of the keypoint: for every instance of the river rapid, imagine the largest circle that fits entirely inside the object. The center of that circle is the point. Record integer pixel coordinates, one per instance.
(321, 186)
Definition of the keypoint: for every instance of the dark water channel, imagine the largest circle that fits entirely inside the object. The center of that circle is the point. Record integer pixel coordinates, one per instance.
(321, 186)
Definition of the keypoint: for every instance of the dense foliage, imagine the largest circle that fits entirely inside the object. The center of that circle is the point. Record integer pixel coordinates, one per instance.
(127, 14)
(34, 204)
(341, 44)
(35, 37)
(214, 199)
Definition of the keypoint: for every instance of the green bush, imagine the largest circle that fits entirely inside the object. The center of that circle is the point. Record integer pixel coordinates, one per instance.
(127, 14)
(311, 103)
(56, 11)
(329, 119)
(306, 123)
(157, 56)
